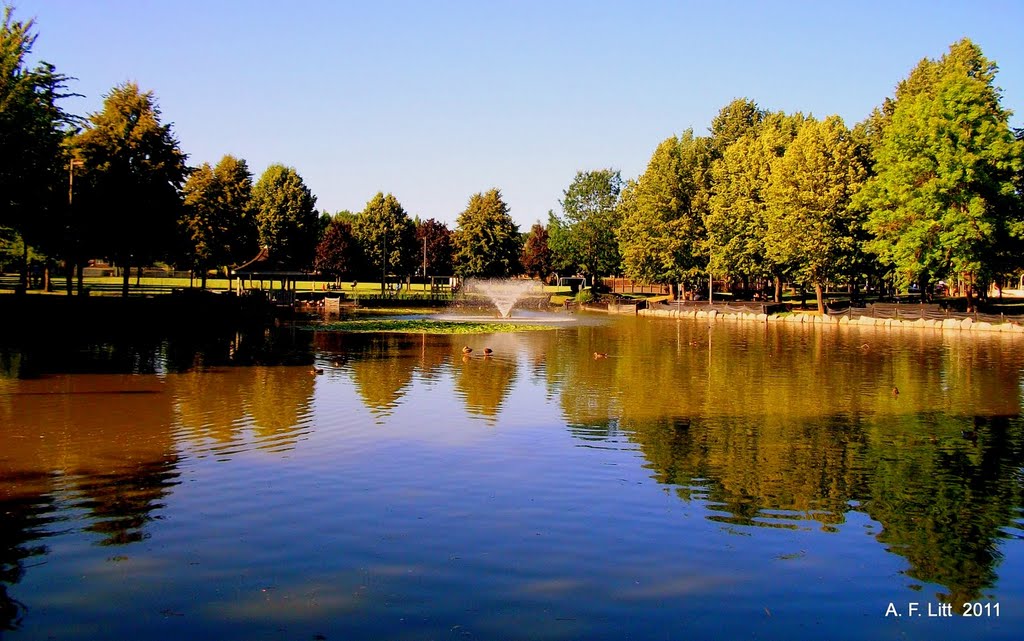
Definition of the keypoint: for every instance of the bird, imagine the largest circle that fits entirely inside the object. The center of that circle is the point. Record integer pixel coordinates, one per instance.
(970, 435)
(316, 370)
(488, 351)
(600, 355)
(895, 391)
(467, 350)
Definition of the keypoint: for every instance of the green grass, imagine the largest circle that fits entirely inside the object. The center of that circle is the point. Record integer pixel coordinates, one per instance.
(425, 326)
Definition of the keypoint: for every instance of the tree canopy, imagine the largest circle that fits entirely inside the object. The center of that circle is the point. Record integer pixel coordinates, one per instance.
(536, 258)
(941, 198)
(219, 217)
(383, 223)
(810, 227)
(437, 239)
(486, 239)
(662, 232)
(33, 128)
(583, 238)
(133, 172)
(286, 217)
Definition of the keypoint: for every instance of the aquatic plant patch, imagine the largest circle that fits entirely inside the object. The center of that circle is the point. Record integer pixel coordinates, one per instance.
(427, 326)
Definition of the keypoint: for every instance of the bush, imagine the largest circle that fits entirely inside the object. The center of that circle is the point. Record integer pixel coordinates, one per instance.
(584, 296)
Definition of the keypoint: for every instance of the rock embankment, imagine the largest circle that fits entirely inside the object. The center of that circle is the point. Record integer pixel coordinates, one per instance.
(944, 325)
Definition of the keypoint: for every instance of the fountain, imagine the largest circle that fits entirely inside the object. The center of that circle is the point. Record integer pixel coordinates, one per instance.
(504, 294)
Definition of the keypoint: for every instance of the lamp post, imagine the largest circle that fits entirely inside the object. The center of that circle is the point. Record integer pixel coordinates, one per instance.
(384, 263)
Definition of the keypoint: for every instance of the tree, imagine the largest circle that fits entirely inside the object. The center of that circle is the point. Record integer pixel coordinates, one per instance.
(810, 226)
(338, 252)
(662, 231)
(583, 239)
(486, 239)
(387, 235)
(437, 239)
(536, 258)
(941, 201)
(219, 217)
(286, 218)
(133, 171)
(32, 132)
(736, 216)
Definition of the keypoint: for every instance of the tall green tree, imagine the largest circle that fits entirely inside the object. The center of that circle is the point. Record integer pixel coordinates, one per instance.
(583, 239)
(387, 236)
(662, 231)
(736, 216)
(133, 171)
(486, 239)
(537, 260)
(287, 221)
(33, 128)
(219, 219)
(941, 201)
(810, 225)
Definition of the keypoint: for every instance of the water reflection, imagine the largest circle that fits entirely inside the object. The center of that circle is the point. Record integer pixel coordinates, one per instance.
(761, 429)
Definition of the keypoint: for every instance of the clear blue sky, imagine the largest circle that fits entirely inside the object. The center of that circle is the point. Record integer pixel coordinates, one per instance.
(435, 101)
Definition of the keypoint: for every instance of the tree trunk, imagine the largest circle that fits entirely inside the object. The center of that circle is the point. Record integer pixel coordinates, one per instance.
(820, 295)
(69, 274)
(203, 285)
(126, 277)
(81, 277)
(778, 289)
(24, 267)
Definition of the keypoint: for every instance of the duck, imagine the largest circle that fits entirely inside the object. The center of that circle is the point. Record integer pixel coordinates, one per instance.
(467, 350)
(488, 351)
(598, 355)
(316, 370)
(895, 391)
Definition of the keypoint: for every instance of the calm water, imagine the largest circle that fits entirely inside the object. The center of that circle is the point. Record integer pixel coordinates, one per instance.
(741, 481)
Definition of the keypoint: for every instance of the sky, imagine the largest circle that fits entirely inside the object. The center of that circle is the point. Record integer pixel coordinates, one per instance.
(436, 100)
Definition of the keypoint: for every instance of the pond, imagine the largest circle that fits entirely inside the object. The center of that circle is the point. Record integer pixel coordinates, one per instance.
(724, 481)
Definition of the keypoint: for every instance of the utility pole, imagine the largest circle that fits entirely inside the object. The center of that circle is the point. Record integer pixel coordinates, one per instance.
(424, 262)
(384, 268)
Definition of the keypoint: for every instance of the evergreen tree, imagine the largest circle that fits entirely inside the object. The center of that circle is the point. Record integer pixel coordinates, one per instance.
(33, 164)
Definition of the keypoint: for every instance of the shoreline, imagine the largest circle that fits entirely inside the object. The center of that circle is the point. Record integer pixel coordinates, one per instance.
(947, 325)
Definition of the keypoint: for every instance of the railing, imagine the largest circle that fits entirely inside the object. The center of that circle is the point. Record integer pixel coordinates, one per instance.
(916, 311)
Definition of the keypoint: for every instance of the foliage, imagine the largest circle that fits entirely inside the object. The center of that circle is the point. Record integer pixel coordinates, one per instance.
(662, 231)
(942, 200)
(583, 239)
(736, 217)
(426, 326)
(338, 253)
(286, 216)
(133, 170)
(384, 223)
(438, 240)
(32, 131)
(219, 218)
(810, 227)
(486, 239)
(536, 258)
